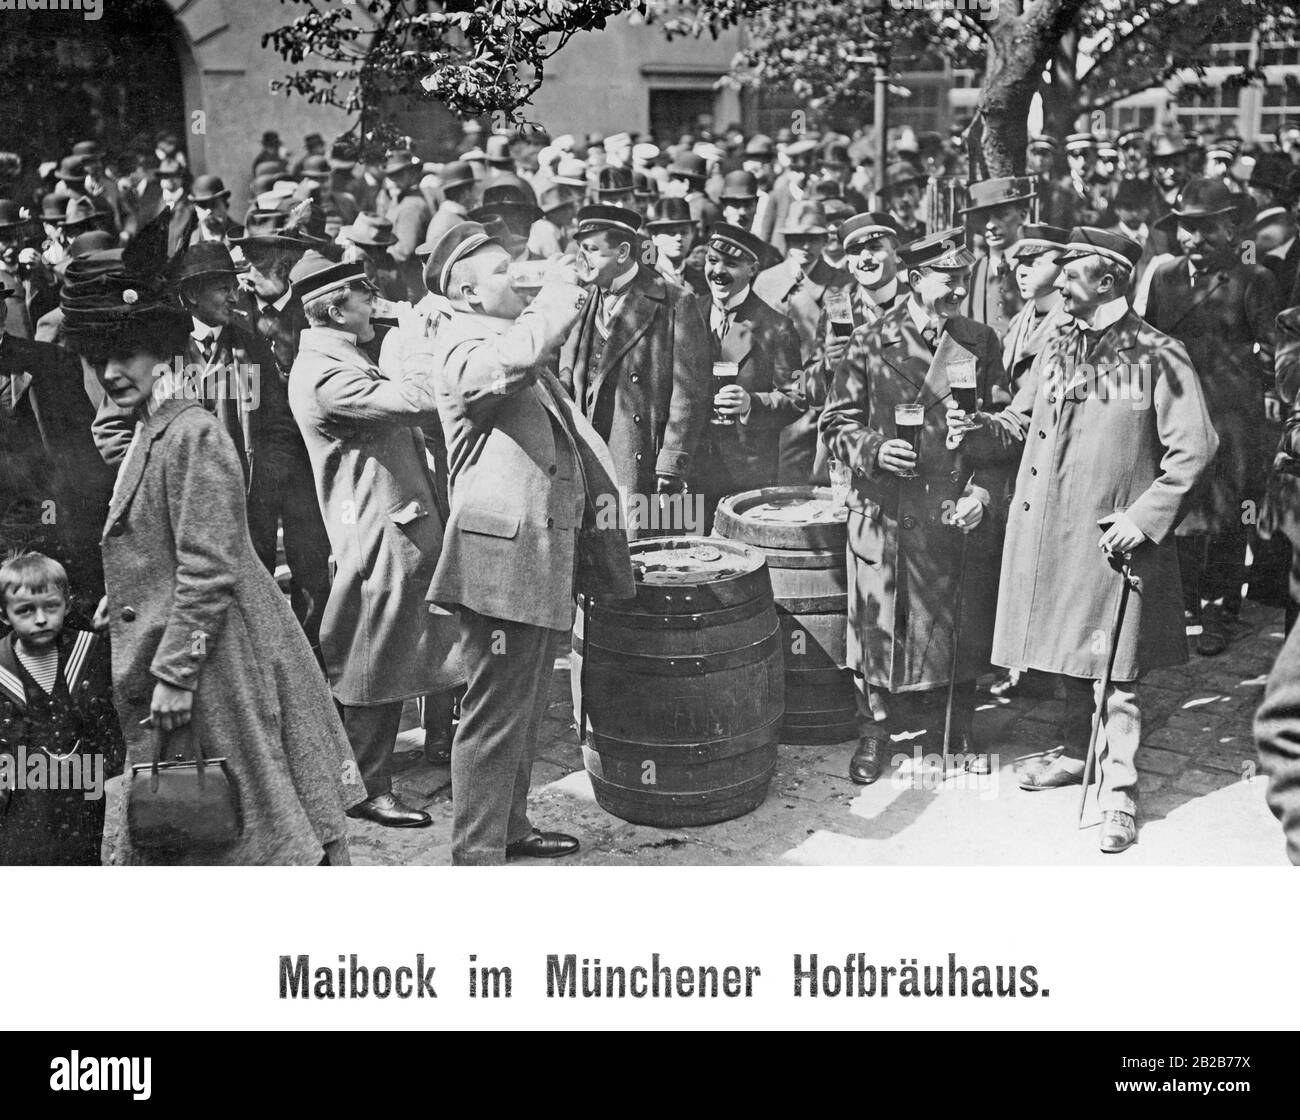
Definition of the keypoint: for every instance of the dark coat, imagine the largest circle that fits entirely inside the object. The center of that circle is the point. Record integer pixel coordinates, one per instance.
(1085, 454)
(378, 499)
(1220, 322)
(54, 488)
(57, 826)
(904, 552)
(1277, 735)
(993, 298)
(743, 456)
(190, 604)
(518, 467)
(656, 365)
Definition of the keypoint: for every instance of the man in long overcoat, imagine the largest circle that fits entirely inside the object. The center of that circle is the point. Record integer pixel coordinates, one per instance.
(528, 476)
(1223, 311)
(381, 644)
(907, 520)
(1113, 433)
(637, 362)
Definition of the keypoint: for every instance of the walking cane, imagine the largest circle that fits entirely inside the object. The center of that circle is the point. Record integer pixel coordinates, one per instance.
(1130, 582)
(956, 638)
(588, 609)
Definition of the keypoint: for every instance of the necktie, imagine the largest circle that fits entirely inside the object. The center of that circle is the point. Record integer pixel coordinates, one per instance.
(930, 334)
(724, 324)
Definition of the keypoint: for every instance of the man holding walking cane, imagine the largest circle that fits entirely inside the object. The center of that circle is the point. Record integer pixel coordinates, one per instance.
(1112, 433)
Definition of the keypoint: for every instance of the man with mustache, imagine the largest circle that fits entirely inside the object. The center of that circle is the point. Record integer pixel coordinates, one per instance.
(998, 208)
(1224, 311)
(908, 518)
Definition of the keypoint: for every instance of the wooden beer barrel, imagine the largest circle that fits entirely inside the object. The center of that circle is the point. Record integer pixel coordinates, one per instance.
(803, 533)
(684, 689)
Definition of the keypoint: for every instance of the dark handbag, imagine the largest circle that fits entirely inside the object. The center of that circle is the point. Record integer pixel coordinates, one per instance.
(182, 806)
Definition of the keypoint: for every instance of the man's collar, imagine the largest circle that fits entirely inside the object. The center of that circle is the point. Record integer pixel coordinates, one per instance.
(883, 295)
(327, 335)
(736, 300)
(921, 318)
(1106, 315)
(202, 330)
(623, 279)
(279, 304)
(1281, 251)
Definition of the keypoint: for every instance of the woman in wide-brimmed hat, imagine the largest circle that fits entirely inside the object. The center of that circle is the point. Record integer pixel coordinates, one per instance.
(201, 635)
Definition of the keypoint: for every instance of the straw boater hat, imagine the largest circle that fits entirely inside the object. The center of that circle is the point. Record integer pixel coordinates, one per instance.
(370, 231)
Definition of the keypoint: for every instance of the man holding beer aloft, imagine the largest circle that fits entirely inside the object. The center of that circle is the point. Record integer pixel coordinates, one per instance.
(913, 501)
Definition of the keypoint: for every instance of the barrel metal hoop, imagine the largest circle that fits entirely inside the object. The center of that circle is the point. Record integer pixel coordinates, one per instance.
(765, 735)
(698, 665)
(658, 621)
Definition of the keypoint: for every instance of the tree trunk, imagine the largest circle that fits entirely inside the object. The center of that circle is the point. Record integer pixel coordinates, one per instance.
(1010, 81)
(1061, 95)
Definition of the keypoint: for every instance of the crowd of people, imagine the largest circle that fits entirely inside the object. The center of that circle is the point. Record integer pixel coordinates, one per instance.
(1065, 407)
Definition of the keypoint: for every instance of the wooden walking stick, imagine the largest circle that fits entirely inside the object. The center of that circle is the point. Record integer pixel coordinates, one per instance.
(1120, 562)
(956, 639)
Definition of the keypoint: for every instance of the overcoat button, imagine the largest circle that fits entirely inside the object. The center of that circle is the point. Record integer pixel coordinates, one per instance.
(117, 529)
(1026, 505)
(550, 522)
(551, 469)
(1033, 470)
(128, 614)
(909, 522)
(638, 456)
(636, 377)
(954, 476)
(1042, 435)
(636, 419)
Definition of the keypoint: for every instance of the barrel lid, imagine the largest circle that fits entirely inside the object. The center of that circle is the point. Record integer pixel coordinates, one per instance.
(690, 561)
(784, 517)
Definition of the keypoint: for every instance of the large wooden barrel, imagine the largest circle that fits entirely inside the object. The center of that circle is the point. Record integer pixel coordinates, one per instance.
(803, 533)
(683, 690)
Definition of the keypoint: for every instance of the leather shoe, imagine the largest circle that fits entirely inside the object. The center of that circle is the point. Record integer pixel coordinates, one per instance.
(867, 760)
(976, 760)
(542, 845)
(437, 752)
(1055, 774)
(391, 812)
(1119, 831)
(1212, 642)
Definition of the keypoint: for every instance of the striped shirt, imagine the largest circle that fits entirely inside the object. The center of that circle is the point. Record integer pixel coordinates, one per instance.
(44, 667)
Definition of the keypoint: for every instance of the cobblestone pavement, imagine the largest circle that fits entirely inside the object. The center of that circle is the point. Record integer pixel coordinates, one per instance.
(1201, 801)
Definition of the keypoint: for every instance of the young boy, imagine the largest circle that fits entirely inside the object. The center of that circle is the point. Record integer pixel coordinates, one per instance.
(59, 737)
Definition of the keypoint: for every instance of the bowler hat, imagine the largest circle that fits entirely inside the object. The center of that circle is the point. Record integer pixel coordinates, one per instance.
(570, 172)
(93, 241)
(208, 188)
(204, 258)
(82, 212)
(739, 185)
(53, 207)
(669, 213)
(688, 165)
(613, 181)
(497, 151)
(11, 214)
(1206, 198)
(518, 216)
(88, 149)
(1274, 171)
(644, 186)
(556, 197)
(902, 174)
(71, 170)
(760, 147)
(370, 230)
(989, 193)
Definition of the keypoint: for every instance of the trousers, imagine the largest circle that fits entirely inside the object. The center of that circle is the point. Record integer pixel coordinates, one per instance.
(508, 665)
(1117, 741)
(372, 731)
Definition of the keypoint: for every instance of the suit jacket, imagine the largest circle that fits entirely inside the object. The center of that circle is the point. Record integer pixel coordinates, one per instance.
(376, 494)
(191, 604)
(906, 553)
(993, 297)
(1221, 321)
(1134, 439)
(742, 456)
(447, 215)
(410, 216)
(527, 472)
(54, 489)
(656, 366)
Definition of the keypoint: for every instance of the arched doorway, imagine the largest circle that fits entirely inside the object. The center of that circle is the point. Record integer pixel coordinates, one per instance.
(118, 80)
